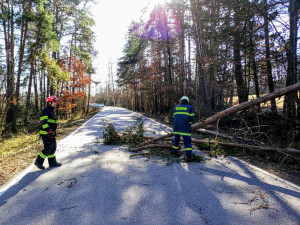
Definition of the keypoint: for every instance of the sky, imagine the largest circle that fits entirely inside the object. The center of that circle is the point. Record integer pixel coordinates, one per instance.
(112, 18)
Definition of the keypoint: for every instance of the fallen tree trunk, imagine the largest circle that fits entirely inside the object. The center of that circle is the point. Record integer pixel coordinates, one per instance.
(234, 109)
(211, 132)
(150, 146)
(225, 136)
(144, 137)
(251, 147)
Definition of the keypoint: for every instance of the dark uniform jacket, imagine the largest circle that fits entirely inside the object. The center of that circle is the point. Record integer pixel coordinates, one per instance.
(48, 121)
(183, 115)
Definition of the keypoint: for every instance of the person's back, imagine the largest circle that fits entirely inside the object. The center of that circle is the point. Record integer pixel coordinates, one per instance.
(183, 116)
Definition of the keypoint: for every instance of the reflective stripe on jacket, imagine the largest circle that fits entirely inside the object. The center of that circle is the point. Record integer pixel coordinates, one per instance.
(48, 120)
(183, 116)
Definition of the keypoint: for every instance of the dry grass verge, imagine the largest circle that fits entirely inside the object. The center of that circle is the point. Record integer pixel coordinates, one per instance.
(19, 152)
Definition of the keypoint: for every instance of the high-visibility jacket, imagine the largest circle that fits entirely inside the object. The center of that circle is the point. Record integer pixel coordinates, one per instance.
(48, 120)
(183, 116)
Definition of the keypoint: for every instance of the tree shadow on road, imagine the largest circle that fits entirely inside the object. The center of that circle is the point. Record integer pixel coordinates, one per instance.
(22, 184)
(263, 200)
(100, 184)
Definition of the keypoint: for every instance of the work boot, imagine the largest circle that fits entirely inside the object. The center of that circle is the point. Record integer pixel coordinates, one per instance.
(176, 153)
(39, 162)
(188, 159)
(52, 162)
(188, 156)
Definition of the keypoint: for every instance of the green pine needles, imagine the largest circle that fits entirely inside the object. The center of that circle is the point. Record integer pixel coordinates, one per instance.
(132, 136)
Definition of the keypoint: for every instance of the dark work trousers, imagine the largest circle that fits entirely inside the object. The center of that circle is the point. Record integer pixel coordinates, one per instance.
(49, 145)
(187, 144)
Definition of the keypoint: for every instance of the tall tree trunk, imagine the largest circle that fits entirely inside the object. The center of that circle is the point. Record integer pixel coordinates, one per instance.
(156, 104)
(200, 72)
(168, 77)
(36, 95)
(241, 89)
(180, 13)
(189, 80)
(89, 96)
(84, 105)
(221, 103)
(292, 98)
(213, 58)
(42, 88)
(253, 61)
(31, 77)
(72, 64)
(161, 104)
(55, 11)
(27, 106)
(23, 38)
(51, 89)
(8, 28)
(142, 102)
(268, 58)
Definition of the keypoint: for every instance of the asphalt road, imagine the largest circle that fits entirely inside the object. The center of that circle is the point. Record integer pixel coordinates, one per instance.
(100, 184)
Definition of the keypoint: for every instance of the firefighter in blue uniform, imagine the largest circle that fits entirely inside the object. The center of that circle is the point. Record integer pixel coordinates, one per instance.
(183, 116)
(48, 121)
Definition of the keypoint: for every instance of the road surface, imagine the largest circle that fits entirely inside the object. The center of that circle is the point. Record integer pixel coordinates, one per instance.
(99, 184)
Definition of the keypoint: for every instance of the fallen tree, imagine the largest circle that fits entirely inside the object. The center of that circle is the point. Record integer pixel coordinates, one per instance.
(150, 146)
(230, 144)
(234, 109)
(225, 136)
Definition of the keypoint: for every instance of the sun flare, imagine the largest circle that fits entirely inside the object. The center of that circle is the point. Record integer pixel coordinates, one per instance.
(153, 3)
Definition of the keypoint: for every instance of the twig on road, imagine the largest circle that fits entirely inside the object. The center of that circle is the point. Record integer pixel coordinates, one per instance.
(70, 184)
(70, 207)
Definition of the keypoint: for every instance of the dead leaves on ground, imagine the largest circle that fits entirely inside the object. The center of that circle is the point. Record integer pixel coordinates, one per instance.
(73, 181)
(260, 198)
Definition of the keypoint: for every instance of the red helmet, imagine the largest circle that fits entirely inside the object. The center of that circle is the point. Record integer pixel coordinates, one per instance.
(52, 98)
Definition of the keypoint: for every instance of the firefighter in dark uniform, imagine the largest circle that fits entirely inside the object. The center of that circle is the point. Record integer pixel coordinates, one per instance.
(183, 116)
(48, 121)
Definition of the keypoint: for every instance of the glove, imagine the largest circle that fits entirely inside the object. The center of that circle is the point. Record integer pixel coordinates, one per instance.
(51, 134)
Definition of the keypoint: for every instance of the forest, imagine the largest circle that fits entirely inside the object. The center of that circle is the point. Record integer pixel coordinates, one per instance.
(46, 48)
(219, 53)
